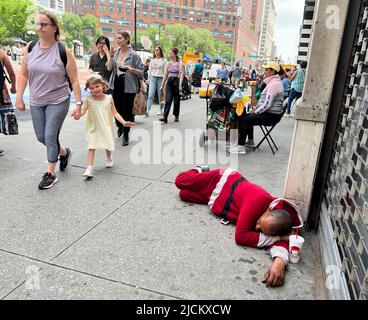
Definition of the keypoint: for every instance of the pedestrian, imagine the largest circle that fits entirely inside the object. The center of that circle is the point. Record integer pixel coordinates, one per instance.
(99, 125)
(236, 75)
(5, 101)
(47, 75)
(297, 85)
(268, 110)
(173, 82)
(155, 76)
(285, 83)
(197, 76)
(261, 220)
(98, 61)
(127, 69)
(222, 73)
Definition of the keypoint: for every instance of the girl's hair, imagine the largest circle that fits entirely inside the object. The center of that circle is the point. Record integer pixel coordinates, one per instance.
(176, 52)
(103, 38)
(54, 20)
(125, 35)
(96, 80)
(161, 52)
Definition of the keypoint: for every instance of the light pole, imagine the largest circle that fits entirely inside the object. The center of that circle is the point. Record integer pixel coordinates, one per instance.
(135, 24)
(239, 12)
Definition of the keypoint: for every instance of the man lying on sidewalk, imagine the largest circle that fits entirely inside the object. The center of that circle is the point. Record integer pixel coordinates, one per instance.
(261, 219)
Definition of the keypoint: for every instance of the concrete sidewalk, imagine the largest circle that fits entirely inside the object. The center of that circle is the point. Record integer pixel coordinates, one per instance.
(125, 234)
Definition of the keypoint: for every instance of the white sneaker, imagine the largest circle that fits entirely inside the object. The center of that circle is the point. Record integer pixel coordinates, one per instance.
(159, 113)
(88, 173)
(237, 150)
(109, 163)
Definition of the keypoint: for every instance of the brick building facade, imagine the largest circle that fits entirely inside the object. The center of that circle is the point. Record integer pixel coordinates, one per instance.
(218, 16)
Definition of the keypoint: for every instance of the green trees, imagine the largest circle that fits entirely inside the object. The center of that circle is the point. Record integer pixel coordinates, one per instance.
(81, 28)
(185, 39)
(15, 18)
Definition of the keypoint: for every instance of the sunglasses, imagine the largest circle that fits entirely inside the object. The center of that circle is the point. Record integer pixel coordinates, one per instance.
(43, 24)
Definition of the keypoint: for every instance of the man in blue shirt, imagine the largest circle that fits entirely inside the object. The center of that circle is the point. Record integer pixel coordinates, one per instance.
(285, 83)
(222, 73)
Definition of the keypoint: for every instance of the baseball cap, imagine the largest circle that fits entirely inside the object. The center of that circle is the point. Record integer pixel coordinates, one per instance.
(272, 65)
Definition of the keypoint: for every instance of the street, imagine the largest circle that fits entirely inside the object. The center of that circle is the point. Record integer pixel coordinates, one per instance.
(125, 234)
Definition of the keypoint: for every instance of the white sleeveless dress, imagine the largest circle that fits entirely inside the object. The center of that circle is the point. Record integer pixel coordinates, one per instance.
(100, 124)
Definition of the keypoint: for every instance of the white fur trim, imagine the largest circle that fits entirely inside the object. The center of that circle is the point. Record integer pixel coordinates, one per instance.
(265, 241)
(280, 252)
(297, 209)
(219, 186)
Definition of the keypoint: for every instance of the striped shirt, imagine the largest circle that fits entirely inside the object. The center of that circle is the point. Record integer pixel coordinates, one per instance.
(298, 82)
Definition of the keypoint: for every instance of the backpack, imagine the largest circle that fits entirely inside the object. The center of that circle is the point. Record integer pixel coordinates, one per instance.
(63, 57)
(3, 76)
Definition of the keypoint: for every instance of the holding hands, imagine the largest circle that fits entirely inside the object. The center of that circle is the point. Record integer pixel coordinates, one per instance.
(128, 124)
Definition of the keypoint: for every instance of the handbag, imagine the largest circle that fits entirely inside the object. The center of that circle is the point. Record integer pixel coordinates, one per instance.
(162, 98)
(140, 104)
(10, 124)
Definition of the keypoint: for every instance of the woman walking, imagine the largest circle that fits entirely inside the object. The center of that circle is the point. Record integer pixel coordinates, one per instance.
(43, 67)
(127, 69)
(5, 102)
(197, 76)
(173, 80)
(156, 74)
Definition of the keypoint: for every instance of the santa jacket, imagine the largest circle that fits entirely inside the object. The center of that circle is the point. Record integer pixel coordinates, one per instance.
(243, 203)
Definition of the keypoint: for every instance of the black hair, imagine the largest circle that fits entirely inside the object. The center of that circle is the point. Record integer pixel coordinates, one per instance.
(281, 222)
(281, 72)
(303, 64)
(103, 38)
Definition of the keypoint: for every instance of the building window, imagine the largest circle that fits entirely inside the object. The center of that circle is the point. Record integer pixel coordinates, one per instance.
(104, 29)
(216, 33)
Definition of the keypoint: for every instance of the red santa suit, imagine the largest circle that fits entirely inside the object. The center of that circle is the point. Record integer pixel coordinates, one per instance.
(232, 197)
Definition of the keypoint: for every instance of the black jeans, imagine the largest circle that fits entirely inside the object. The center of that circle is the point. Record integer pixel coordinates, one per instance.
(247, 123)
(172, 93)
(124, 103)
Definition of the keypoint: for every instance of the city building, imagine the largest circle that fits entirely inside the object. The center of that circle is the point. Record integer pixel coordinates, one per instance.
(57, 6)
(218, 16)
(266, 43)
(306, 30)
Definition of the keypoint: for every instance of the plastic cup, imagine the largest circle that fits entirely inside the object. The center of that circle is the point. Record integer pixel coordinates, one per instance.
(295, 248)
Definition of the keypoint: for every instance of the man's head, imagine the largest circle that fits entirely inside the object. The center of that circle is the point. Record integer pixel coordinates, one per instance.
(275, 223)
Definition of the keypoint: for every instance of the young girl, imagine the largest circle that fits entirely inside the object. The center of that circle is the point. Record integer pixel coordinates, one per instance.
(99, 122)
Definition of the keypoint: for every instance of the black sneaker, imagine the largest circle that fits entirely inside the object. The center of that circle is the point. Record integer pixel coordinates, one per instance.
(48, 180)
(125, 141)
(64, 160)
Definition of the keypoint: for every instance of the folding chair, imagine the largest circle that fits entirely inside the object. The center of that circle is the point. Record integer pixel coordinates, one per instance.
(267, 133)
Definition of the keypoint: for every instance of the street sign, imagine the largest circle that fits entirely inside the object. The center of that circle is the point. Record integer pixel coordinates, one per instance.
(252, 56)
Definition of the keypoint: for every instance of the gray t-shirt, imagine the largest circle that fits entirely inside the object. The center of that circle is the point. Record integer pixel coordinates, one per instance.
(47, 77)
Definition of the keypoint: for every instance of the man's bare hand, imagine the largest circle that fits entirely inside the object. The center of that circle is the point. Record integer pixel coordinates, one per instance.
(275, 275)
